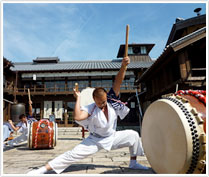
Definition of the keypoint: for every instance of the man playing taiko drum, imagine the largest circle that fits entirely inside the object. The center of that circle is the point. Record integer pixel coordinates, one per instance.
(100, 118)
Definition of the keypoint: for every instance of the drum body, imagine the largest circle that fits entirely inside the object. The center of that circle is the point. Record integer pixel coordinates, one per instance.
(173, 135)
(87, 96)
(42, 134)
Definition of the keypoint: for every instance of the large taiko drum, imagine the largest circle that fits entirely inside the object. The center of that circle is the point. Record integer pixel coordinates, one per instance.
(174, 133)
(42, 134)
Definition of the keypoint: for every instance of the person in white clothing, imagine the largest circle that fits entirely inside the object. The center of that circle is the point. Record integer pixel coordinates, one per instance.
(21, 127)
(100, 119)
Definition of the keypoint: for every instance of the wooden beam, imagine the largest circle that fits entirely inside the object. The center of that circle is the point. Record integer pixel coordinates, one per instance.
(182, 65)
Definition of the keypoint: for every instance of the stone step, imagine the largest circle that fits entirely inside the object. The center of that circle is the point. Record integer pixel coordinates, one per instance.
(70, 131)
(78, 130)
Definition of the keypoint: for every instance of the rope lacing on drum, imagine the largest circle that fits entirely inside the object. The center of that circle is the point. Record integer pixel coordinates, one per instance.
(50, 132)
(193, 130)
(199, 94)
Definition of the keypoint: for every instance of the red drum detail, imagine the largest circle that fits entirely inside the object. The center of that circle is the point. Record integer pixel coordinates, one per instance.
(197, 99)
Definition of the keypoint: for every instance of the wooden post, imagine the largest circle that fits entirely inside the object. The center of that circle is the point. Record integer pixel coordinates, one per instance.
(15, 89)
(66, 118)
(182, 65)
(41, 110)
(8, 112)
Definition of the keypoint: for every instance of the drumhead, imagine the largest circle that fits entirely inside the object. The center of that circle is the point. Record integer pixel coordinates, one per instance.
(165, 138)
(86, 96)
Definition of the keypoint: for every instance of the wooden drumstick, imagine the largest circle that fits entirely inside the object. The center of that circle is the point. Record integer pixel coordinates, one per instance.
(126, 44)
(29, 95)
(76, 87)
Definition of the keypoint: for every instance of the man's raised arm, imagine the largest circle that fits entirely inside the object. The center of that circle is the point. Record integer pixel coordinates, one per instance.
(121, 75)
(30, 109)
(79, 114)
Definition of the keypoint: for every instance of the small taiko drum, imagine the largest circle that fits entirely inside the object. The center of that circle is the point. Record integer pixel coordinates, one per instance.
(42, 134)
(174, 133)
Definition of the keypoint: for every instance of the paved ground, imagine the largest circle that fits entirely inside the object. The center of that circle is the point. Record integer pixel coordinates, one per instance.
(20, 160)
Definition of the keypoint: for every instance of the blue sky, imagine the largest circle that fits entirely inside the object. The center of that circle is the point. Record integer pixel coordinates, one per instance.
(86, 31)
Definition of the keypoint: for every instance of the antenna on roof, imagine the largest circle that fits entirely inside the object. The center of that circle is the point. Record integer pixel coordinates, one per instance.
(197, 11)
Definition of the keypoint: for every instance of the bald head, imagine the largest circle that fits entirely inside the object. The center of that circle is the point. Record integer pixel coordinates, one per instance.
(99, 92)
(100, 97)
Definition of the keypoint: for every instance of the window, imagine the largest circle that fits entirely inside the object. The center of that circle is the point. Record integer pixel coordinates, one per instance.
(96, 83)
(107, 84)
(70, 106)
(130, 50)
(49, 86)
(71, 84)
(60, 85)
(39, 85)
(143, 50)
(128, 84)
(82, 84)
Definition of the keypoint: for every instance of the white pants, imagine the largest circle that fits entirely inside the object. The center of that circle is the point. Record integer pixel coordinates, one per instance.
(6, 132)
(126, 138)
(19, 139)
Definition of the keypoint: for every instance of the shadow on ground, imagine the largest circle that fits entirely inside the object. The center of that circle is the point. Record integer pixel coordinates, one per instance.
(114, 169)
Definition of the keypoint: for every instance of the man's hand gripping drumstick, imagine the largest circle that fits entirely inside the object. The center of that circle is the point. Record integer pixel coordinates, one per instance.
(121, 74)
(76, 91)
(78, 114)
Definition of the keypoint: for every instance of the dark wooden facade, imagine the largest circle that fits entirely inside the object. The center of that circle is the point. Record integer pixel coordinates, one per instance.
(182, 65)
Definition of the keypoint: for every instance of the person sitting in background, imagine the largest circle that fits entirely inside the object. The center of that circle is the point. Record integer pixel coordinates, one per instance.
(7, 131)
(21, 127)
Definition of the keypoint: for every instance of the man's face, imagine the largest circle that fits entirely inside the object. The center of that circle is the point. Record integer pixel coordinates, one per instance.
(101, 102)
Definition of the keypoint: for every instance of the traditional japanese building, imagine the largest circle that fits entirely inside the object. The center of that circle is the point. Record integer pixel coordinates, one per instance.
(182, 64)
(51, 83)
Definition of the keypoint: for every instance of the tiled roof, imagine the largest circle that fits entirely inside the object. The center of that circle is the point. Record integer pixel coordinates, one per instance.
(78, 65)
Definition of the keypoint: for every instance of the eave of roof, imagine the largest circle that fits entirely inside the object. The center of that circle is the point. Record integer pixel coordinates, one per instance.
(171, 48)
(190, 36)
(184, 24)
